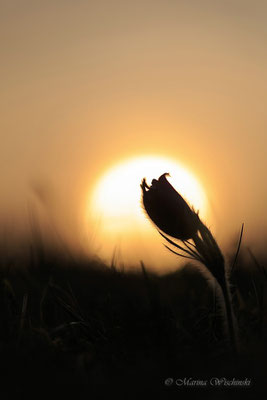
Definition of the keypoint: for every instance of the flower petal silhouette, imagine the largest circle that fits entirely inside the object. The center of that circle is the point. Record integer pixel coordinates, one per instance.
(168, 210)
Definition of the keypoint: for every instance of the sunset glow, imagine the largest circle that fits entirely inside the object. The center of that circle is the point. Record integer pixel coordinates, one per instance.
(115, 204)
(133, 219)
(117, 195)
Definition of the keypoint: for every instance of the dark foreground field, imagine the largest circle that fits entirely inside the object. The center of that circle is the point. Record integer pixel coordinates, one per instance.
(80, 328)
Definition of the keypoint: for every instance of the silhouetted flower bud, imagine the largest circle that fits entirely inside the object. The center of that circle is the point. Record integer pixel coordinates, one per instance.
(168, 210)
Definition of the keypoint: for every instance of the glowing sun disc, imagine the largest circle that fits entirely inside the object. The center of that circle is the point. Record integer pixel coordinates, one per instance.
(116, 197)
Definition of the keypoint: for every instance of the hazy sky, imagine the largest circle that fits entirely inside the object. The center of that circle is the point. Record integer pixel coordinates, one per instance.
(85, 84)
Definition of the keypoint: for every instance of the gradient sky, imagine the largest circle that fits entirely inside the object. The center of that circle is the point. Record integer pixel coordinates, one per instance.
(85, 84)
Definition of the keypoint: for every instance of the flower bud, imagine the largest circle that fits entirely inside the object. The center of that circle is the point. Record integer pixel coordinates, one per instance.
(168, 210)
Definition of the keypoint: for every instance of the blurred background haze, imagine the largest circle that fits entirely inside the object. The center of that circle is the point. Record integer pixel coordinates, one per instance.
(86, 84)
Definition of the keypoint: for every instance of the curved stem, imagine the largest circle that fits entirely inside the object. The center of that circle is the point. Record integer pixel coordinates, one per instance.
(214, 262)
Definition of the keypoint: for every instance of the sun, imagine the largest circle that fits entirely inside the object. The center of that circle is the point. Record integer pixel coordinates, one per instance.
(116, 197)
(117, 219)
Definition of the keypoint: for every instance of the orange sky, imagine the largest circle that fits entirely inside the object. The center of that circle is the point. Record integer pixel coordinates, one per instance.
(86, 84)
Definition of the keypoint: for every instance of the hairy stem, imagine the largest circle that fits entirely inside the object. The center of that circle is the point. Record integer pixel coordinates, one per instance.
(214, 262)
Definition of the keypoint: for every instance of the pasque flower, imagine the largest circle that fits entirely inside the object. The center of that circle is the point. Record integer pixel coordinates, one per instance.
(168, 210)
(173, 216)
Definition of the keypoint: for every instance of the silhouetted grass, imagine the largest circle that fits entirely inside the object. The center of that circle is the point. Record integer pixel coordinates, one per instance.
(73, 321)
